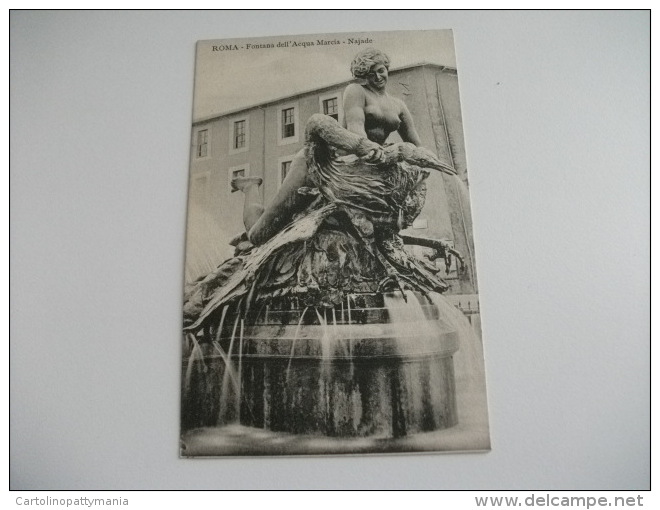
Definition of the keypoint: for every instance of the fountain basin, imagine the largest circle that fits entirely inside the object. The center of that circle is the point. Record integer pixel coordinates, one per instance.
(332, 378)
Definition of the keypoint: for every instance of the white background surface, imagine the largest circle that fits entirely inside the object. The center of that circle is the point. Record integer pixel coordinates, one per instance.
(556, 118)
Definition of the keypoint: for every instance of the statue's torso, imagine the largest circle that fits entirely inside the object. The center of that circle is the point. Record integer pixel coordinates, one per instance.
(382, 115)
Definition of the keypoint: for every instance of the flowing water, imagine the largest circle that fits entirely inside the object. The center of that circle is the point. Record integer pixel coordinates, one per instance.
(407, 309)
(293, 343)
(229, 410)
(468, 365)
(196, 358)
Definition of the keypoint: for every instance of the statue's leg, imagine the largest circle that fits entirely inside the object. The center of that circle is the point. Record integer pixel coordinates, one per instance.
(252, 207)
(285, 204)
(288, 201)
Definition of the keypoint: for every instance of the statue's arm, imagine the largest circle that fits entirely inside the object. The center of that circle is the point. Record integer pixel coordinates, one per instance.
(324, 128)
(407, 130)
(354, 103)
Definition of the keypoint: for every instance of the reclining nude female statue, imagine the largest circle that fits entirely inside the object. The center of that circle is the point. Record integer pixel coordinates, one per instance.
(333, 228)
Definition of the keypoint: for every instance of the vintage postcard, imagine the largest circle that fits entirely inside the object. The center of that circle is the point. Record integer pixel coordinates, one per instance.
(331, 302)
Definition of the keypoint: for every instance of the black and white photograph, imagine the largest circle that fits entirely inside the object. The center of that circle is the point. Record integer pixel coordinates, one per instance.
(330, 249)
(331, 302)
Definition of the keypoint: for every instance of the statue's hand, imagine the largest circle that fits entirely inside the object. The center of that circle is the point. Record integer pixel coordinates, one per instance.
(370, 151)
(375, 156)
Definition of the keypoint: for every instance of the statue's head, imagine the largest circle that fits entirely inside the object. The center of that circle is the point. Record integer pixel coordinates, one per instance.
(366, 60)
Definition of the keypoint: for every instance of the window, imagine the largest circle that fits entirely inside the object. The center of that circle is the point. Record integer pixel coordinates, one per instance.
(284, 170)
(239, 134)
(238, 173)
(331, 108)
(330, 104)
(288, 123)
(202, 143)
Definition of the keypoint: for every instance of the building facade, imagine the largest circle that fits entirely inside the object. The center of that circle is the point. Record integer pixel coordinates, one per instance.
(263, 139)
